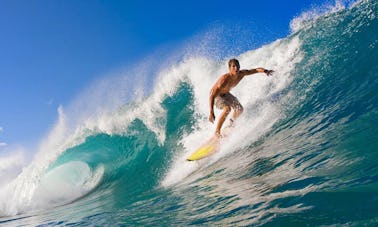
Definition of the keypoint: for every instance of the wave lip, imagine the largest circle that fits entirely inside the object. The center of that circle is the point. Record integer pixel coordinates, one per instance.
(309, 17)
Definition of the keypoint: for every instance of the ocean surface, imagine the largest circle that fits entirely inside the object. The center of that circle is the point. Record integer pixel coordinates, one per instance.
(304, 152)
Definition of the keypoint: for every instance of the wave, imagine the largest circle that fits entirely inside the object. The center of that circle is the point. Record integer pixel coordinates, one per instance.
(305, 131)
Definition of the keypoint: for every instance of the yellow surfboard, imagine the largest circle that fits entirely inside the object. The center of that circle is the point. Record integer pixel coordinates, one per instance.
(206, 149)
(210, 147)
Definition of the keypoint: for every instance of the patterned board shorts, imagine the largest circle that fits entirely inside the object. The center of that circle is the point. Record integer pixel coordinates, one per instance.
(227, 99)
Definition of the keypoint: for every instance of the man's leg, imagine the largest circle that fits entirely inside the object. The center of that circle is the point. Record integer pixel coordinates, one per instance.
(222, 118)
(238, 110)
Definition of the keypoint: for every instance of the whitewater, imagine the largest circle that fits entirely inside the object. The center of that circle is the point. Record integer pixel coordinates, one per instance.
(304, 152)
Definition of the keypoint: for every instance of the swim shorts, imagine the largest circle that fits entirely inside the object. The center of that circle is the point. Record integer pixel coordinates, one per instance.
(227, 99)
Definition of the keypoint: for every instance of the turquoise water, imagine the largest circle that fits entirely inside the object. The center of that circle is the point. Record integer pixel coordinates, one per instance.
(305, 152)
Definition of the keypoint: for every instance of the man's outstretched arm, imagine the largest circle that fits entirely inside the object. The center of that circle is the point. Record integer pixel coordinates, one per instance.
(247, 72)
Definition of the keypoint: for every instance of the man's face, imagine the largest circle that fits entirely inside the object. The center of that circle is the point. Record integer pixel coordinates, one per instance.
(234, 68)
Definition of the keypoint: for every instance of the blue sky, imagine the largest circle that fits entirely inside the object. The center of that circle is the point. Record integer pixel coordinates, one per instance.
(51, 50)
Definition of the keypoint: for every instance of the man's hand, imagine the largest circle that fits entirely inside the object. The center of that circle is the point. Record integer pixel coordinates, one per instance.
(212, 117)
(268, 72)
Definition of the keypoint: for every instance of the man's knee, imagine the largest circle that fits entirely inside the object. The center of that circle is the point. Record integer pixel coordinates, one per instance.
(239, 109)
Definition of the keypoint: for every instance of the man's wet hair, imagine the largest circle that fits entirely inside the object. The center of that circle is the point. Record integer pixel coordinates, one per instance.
(235, 61)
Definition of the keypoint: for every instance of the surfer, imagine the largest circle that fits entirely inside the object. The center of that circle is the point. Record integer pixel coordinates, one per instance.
(221, 96)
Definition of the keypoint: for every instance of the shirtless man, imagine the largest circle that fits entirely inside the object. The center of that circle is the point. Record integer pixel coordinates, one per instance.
(221, 96)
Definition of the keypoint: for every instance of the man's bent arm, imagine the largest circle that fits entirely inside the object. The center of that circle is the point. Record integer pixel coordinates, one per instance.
(213, 93)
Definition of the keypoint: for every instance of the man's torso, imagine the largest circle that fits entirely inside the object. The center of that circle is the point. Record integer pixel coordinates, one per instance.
(228, 81)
